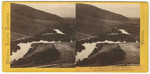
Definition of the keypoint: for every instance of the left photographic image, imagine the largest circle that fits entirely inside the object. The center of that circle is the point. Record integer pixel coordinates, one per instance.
(42, 35)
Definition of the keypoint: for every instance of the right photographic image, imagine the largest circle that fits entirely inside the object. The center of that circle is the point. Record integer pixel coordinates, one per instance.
(107, 34)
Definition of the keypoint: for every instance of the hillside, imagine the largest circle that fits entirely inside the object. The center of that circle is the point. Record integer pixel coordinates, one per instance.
(32, 13)
(96, 21)
(28, 21)
(86, 11)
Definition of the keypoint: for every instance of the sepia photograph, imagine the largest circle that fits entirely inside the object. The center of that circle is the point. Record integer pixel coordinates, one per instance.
(42, 35)
(66, 35)
(107, 34)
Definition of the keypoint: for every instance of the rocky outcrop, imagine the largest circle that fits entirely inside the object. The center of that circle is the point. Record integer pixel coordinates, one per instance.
(38, 54)
(109, 54)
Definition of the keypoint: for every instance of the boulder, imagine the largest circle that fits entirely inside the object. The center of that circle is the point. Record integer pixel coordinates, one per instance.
(109, 54)
(38, 54)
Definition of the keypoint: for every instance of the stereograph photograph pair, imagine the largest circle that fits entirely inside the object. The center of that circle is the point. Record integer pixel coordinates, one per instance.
(75, 36)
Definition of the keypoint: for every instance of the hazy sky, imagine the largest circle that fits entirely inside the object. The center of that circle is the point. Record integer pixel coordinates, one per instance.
(68, 9)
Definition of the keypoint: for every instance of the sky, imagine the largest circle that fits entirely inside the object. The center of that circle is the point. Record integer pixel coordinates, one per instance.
(68, 9)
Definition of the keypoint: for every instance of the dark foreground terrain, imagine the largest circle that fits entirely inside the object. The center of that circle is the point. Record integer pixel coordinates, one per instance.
(118, 54)
(47, 55)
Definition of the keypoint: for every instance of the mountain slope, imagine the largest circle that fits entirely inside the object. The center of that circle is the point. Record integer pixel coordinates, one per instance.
(29, 21)
(95, 21)
(32, 13)
(86, 11)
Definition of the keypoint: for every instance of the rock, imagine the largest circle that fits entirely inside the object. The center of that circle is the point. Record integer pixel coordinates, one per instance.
(109, 54)
(38, 54)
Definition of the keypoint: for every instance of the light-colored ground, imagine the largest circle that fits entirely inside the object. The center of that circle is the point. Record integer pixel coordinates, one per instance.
(67, 50)
(132, 52)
